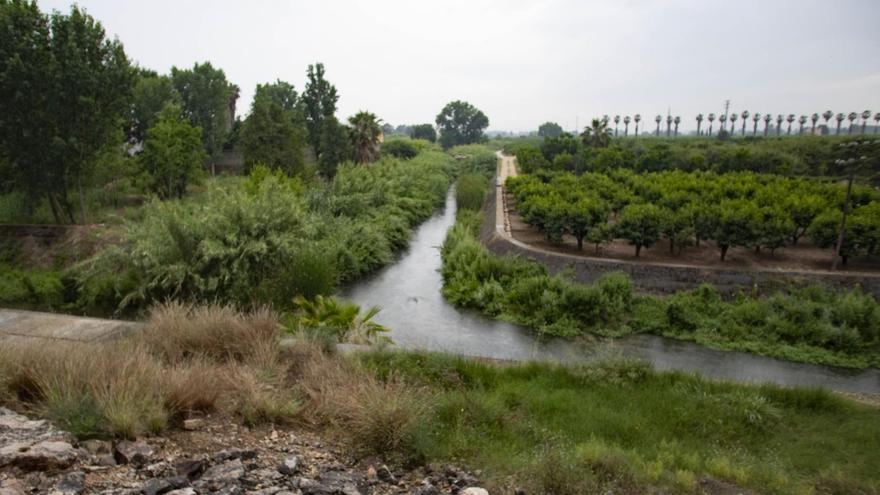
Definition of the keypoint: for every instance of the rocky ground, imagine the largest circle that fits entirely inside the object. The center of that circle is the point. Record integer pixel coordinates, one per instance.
(208, 456)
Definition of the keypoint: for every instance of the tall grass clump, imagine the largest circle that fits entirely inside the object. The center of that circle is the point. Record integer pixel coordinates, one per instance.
(186, 360)
(470, 191)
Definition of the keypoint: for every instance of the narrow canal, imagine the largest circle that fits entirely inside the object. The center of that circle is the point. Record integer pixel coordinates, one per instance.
(420, 319)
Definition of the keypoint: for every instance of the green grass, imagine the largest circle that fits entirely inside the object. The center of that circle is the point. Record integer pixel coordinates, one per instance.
(624, 427)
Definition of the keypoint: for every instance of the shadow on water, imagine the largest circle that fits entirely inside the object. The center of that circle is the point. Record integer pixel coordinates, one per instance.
(420, 319)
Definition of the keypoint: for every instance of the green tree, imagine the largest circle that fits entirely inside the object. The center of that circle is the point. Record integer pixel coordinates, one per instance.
(583, 216)
(530, 159)
(640, 224)
(336, 143)
(600, 234)
(424, 131)
(319, 101)
(150, 94)
(64, 88)
(460, 123)
(737, 225)
(365, 133)
(274, 133)
(208, 102)
(564, 143)
(173, 154)
(549, 129)
(676, 226)
(775, 229)
(825, 231)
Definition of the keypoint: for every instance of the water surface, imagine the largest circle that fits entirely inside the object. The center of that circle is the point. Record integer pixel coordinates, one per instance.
(420, 319)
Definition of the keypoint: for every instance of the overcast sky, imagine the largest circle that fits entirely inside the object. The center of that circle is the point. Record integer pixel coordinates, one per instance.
(521, 62)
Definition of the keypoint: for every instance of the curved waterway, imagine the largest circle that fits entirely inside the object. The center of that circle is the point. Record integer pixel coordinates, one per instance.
(420, 319)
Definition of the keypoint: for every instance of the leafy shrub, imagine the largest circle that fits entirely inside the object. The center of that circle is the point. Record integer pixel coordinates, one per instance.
(400, 148)
(267, 240)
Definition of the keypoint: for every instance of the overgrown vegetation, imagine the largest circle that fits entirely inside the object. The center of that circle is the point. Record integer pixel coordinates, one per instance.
(612, 425)
(812, 324)
(619, 426)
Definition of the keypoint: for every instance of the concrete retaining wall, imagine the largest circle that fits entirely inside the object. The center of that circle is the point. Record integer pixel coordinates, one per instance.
(658, 278)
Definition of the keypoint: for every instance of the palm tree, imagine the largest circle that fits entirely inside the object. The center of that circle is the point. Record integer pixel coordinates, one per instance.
(699, 122)
(605, 119)
(814, 118)
(342, 320)
(733, 118)
(827, 114)
(865, 116)
(852, 118)
(597, 135)
(676, 121)
(755, 118)
(668, 124)
(779, 119)
(789, 119)
(767, 119)
(365, 132)
(711, 120)
(722, 122)
(745, 116)
(637, 119)
(658, 119)
(626, 126)
(839, 118)
(616, 121)
(802, 120)
(876, 122)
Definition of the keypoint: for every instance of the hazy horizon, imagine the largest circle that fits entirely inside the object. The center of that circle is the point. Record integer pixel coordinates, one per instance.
(524, 63)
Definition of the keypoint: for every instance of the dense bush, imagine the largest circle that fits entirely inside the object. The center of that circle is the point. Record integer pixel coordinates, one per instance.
(810, 324)
(267, 241)
(400, 148)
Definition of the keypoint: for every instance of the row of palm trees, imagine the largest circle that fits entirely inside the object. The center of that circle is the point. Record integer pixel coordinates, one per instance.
(672, 123)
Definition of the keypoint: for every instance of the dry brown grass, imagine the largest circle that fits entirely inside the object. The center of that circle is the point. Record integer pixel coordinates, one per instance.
(375, 417)
(188, 359)
(179, 331)
(212, 358)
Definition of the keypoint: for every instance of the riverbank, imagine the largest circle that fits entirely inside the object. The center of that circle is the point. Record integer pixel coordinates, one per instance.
(810, 324)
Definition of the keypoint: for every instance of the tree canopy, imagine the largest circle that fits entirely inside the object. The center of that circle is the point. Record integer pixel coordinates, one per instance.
(424, 131)
(208, 102)
(461, 123)
(173, 154)
(78, 84)
(549, 129)
(319, 101)
(274, 132)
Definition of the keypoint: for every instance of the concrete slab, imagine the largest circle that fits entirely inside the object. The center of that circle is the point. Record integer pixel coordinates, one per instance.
(25, 325)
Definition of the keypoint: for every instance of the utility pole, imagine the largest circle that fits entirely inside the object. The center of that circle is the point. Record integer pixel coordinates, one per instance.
(726, 108)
